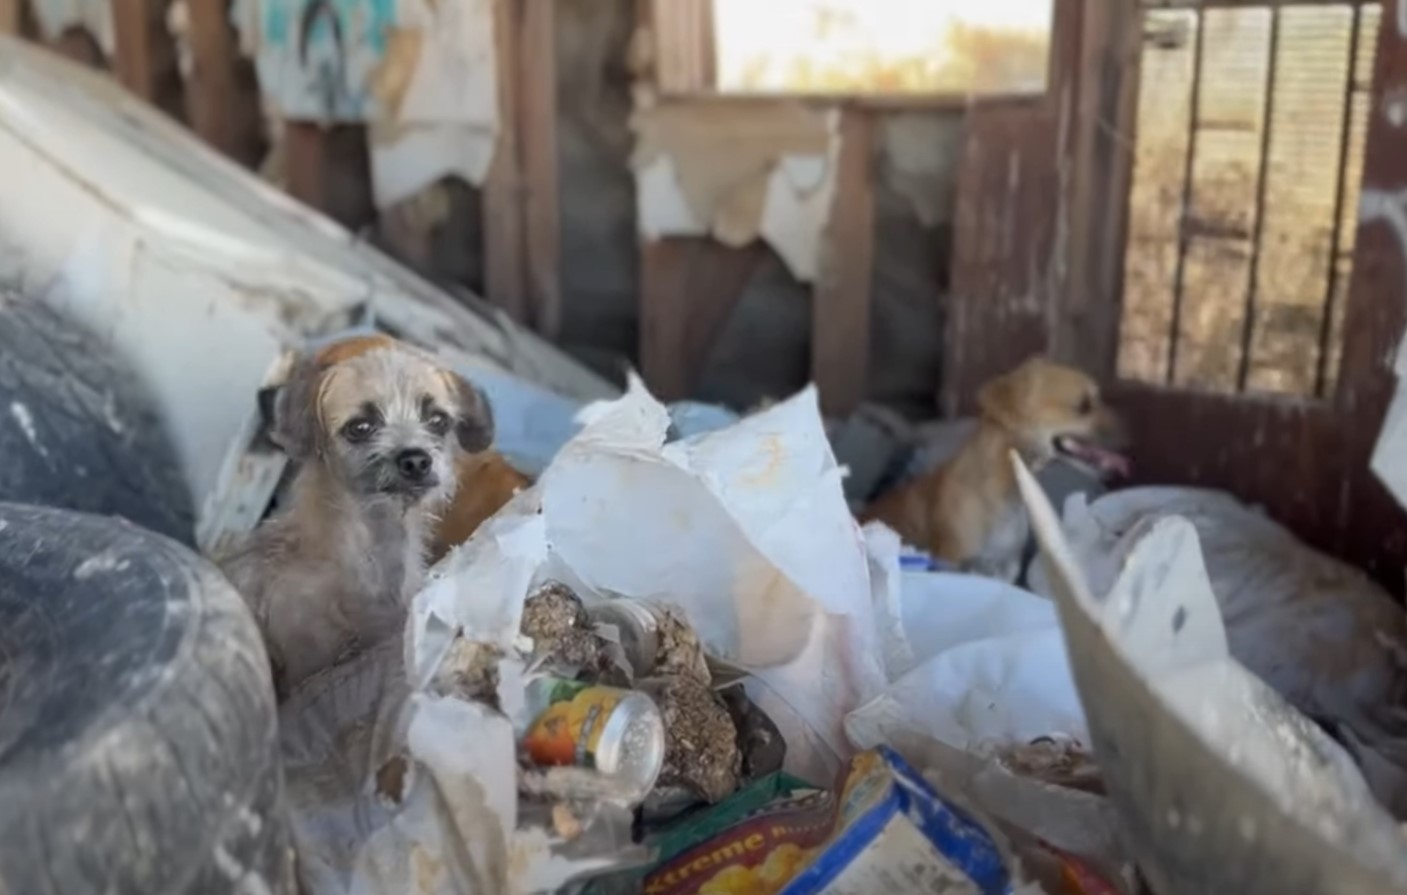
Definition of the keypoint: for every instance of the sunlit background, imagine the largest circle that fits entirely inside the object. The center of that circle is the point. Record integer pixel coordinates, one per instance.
(908, 46)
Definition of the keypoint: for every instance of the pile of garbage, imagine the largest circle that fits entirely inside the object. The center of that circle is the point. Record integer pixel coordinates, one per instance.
(678, 666)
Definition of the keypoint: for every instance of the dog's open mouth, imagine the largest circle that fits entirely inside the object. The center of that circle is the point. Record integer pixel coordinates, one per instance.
(1104, 462)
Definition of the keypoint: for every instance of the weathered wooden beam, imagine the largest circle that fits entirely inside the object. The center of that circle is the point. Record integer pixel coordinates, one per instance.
(537, 144)
(840, 310)
(505, 248)
(329, 168)
(222, 100)
(144, 54)
(688, 289)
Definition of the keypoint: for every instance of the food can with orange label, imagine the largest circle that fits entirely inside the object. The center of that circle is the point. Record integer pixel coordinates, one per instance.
(619, 733)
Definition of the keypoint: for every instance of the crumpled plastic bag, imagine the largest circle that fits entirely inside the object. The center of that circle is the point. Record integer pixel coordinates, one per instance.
(1321, 633)
(970, 661)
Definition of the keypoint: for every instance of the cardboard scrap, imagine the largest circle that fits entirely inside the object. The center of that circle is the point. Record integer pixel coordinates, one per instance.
(737, 171)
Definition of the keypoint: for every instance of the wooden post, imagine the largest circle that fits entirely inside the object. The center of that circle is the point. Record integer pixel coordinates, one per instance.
(840, 309)
(505, 251)
(537, 143)
(144, 55)
(329, 168)
(522, 219)
(1104, 109)
(688, 289)
(222, 99)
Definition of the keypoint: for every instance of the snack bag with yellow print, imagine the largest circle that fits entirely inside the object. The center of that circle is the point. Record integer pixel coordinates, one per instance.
(882, 832)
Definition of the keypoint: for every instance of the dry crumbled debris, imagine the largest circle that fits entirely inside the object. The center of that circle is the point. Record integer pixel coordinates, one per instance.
(556, 620)
(681, 654)
(470, 671)
(701, 741)
(1058, 763)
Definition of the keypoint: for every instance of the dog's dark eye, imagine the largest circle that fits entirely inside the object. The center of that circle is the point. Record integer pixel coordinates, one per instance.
(1086, 406)
(438, 422)
(358, 429)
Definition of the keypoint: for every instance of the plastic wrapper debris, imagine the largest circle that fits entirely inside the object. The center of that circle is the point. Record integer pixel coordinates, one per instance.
(1219, 784)
(1324, 635)
(404, 763)
(971, 661)
(745, 529)
(882, 829)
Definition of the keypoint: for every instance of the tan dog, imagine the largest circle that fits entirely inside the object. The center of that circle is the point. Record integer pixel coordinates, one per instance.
(377, 429)
(968, 511)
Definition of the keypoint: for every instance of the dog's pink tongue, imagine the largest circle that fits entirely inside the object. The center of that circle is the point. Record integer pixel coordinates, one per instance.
(1112, 463)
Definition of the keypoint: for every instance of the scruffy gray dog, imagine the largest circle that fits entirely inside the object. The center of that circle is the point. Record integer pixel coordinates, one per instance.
(376, 428)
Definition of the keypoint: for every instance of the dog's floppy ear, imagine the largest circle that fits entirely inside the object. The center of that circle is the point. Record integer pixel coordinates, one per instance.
(291, 409)
(473, 424)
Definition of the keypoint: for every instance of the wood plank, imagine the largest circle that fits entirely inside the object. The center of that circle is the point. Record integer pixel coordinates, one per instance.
(1374, 526)
(144, 54)
(222, 98)
(537, 143)
(1011, 226)
(77, 45)
(840, 311)
(329, 168)
(504, 249)
(12, 16)
(688, 289)
(664, 316)
(683, 46)
(1087, 324)
(1004, 242)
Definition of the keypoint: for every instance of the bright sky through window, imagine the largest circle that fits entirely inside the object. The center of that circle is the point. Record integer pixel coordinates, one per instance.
(882, 46)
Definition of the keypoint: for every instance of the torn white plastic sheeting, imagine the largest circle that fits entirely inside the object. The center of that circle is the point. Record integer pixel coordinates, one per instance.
(423, 74)
(199, 274)
(55, 17)
(1324, 635)
(1220, 785)
(971, 661)
(745, 528)
(791, 212)
(444, 120)
(395, 787)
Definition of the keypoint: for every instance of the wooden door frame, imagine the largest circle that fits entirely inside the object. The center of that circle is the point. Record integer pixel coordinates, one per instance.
(1306, 462)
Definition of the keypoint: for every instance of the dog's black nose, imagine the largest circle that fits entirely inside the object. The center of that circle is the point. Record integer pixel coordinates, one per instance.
(413, 464)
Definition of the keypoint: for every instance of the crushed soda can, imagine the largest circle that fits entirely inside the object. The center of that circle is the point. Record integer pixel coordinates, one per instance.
(617, 733)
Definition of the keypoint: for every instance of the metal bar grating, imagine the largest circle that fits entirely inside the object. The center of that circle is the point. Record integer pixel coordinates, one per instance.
(1248, 155)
